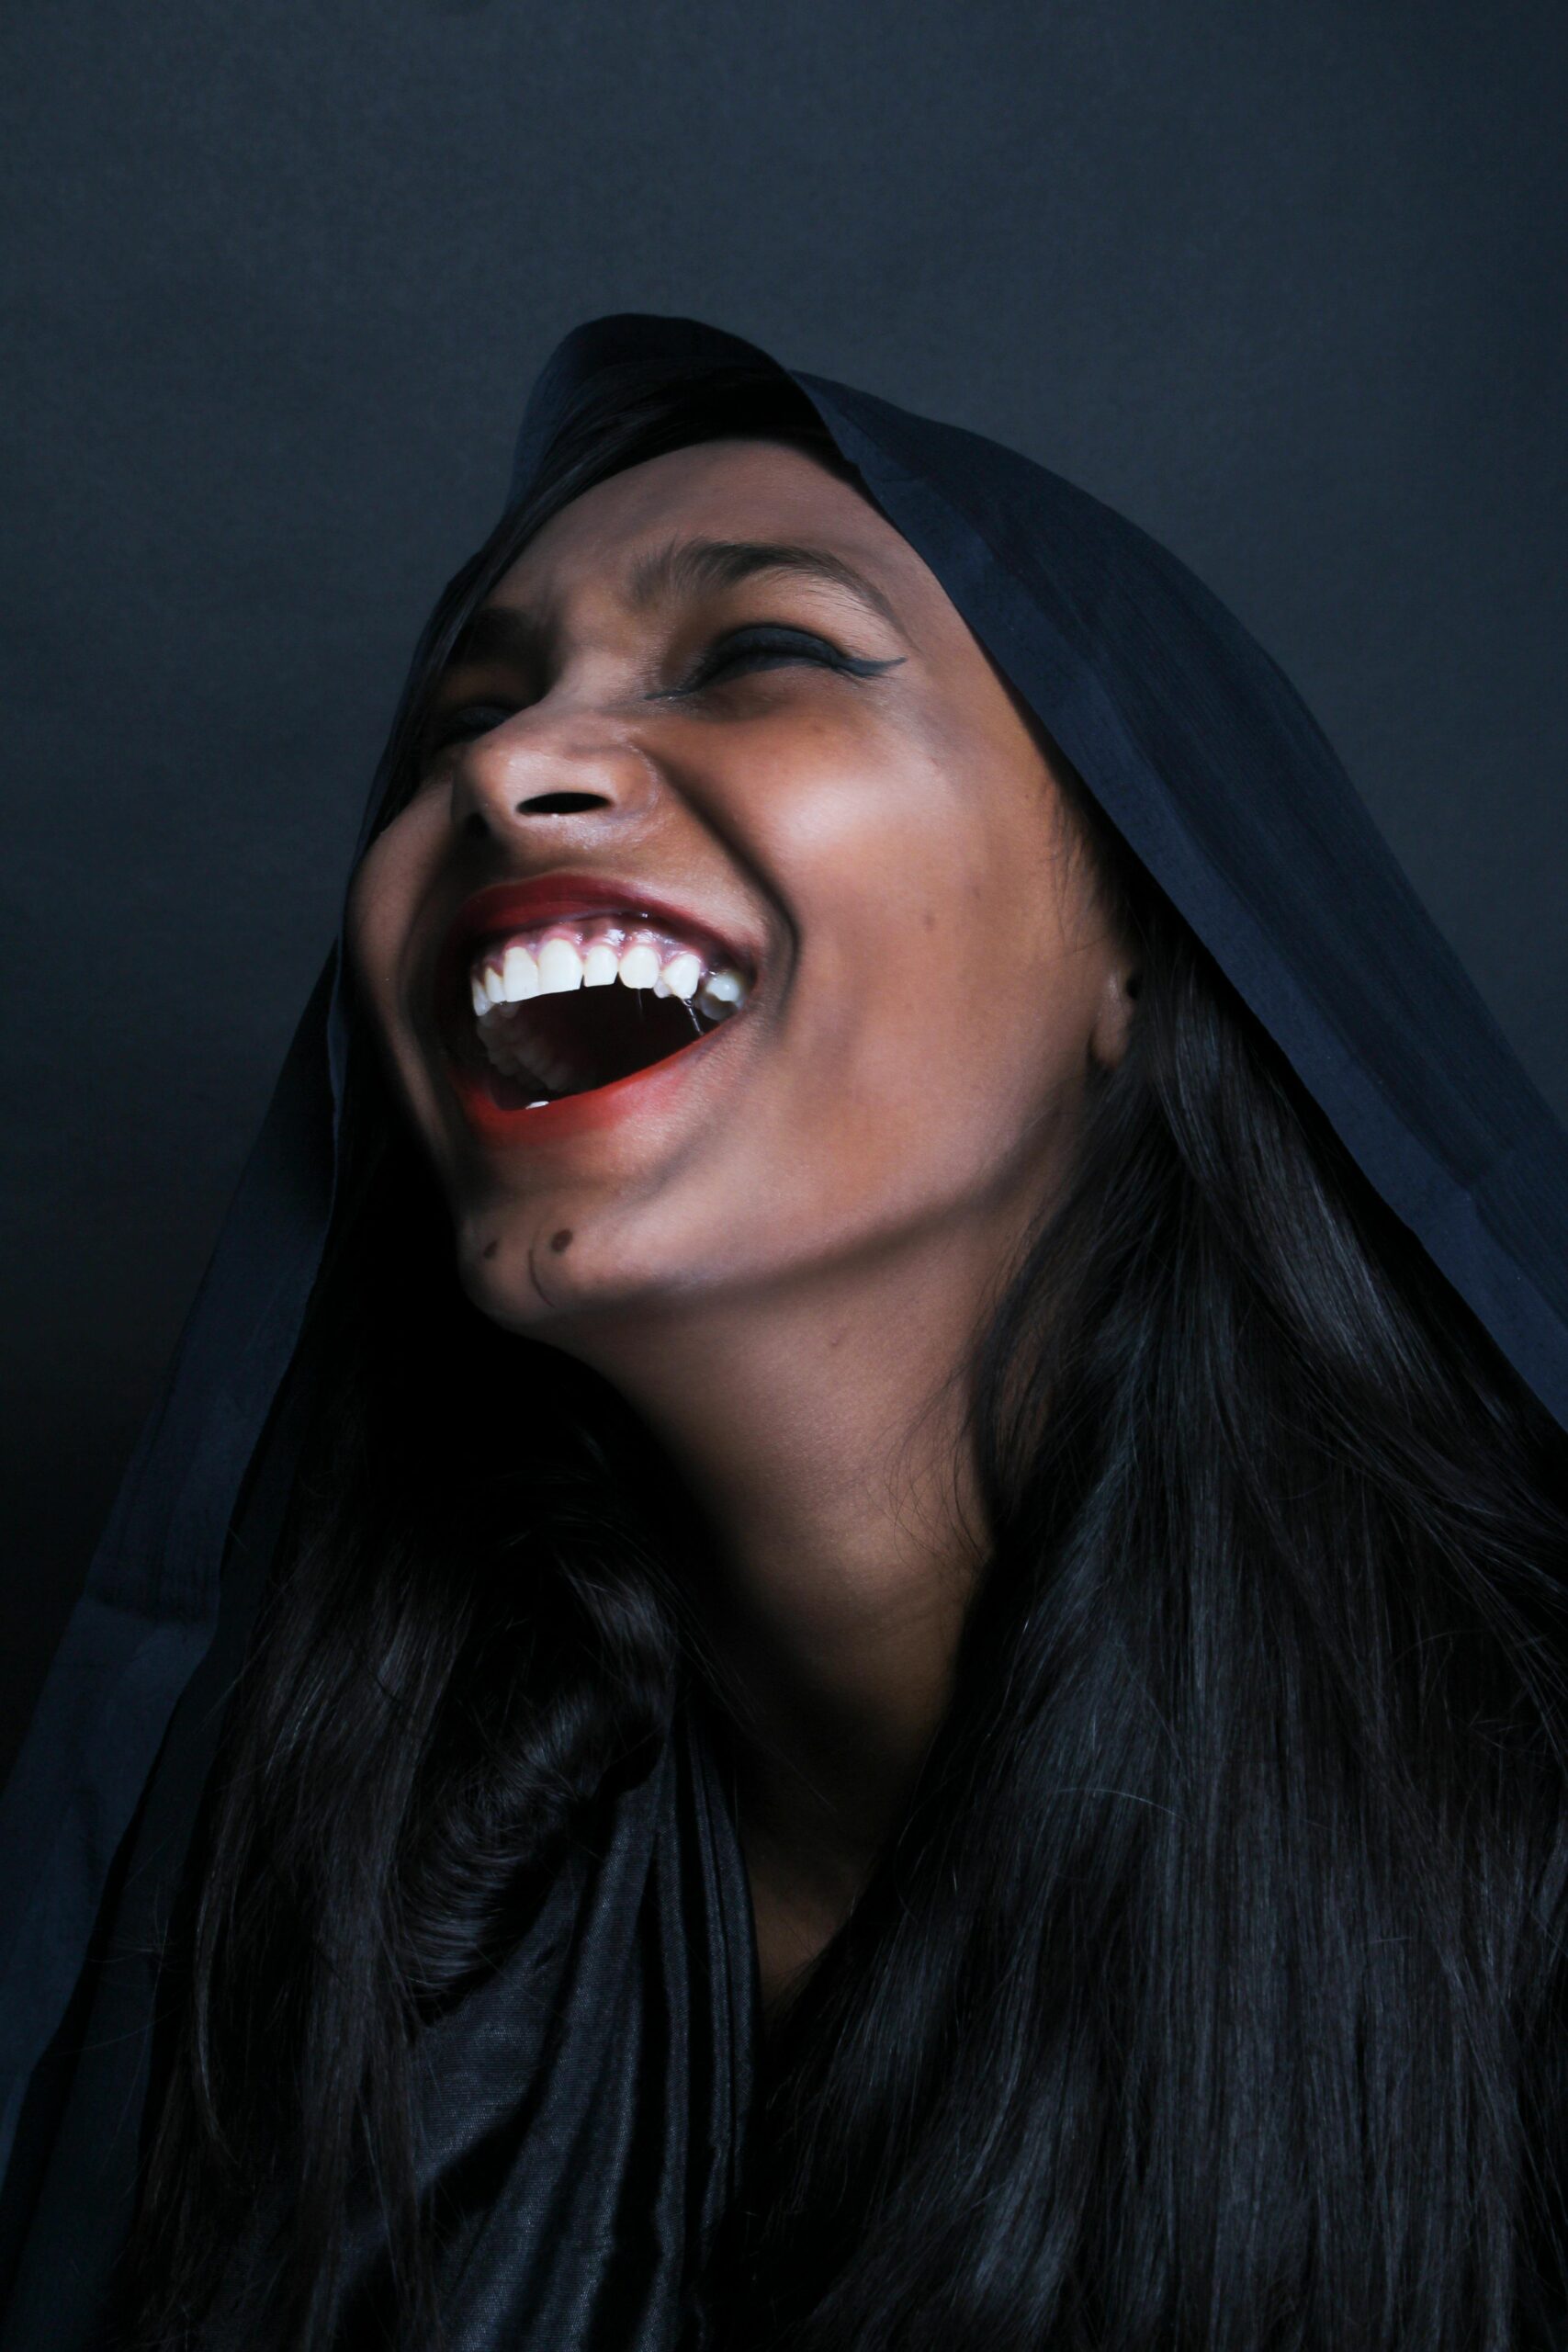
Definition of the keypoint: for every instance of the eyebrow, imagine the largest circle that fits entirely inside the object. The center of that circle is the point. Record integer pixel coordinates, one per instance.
(685, 567)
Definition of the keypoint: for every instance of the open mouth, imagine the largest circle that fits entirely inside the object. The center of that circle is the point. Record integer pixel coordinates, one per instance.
(579, 1003)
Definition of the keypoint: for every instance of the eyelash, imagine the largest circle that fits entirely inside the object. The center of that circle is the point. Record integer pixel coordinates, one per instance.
(766, 638)
(766, 641)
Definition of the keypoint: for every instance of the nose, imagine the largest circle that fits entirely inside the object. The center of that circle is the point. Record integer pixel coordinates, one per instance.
(552, 776)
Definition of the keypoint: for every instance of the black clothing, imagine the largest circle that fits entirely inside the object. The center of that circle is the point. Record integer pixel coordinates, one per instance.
(622, 2029)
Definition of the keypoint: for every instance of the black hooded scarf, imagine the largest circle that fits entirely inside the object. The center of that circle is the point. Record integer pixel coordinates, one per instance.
(590, 2122)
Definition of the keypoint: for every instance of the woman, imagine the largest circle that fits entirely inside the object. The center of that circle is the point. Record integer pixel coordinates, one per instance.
(897, 1648)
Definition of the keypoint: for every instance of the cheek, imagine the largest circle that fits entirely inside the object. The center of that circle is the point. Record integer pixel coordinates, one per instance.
(933, 1045)
(940, 1078)
(934, 981)
(369, 923)
(383, 900)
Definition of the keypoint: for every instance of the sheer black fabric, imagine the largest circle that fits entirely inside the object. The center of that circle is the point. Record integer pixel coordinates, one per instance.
(620, 2032)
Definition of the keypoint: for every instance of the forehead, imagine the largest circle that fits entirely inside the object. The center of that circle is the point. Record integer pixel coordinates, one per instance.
(738, 490)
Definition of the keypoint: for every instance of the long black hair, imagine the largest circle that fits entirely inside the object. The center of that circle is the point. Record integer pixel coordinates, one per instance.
(1209, 1991)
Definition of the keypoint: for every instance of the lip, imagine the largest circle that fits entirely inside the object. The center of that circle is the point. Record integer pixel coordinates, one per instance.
(645, 1092)
(506, 906)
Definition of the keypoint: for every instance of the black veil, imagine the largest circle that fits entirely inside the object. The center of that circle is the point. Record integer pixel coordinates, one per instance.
(1204, 758)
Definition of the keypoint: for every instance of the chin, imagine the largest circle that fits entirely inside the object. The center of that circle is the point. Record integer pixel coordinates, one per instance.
(532, 1273)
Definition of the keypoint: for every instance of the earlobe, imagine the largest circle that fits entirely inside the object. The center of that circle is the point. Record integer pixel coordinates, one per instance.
(1113, 1023)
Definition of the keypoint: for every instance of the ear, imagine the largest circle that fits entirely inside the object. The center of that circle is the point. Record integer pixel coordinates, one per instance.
(1113, 1017)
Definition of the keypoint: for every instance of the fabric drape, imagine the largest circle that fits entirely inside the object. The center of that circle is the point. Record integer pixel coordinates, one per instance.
(623, 2026)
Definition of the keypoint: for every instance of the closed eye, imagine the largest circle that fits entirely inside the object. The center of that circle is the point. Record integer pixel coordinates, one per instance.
(766, 645)
(763, 646)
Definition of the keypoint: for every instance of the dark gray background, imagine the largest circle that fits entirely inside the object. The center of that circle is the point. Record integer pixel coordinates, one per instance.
(1282, 281)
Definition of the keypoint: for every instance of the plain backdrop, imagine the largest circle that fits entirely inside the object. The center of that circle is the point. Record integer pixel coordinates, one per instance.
(1282, 279)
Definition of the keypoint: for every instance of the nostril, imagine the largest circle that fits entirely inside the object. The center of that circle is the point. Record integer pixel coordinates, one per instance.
(559, 804)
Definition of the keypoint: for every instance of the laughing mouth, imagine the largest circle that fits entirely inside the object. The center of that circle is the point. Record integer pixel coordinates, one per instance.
(578, 1002)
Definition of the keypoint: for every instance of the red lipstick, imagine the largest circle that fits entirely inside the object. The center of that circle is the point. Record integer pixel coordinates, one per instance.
(506, 906)
(573, 1115)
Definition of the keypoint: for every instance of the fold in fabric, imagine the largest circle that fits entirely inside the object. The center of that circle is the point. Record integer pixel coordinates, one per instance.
(621, 2031)
(580, 2115)
(148, 1615)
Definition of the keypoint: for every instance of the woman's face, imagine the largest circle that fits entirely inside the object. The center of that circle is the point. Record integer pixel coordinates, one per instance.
(720, 692)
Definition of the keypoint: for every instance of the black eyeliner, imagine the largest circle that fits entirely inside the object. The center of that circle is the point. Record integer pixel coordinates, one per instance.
(765, 637)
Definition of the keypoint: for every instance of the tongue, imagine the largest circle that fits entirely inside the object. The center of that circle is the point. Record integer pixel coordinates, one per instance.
(588, 1037)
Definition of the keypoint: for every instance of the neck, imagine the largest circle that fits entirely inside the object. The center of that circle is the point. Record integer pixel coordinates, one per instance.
(821, 1432)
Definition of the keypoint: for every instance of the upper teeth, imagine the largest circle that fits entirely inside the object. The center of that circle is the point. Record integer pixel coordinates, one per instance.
(594, 954)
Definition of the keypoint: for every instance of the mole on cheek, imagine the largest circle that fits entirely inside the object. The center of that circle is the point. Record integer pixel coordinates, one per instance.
(562, 1240)
(490, 1248)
